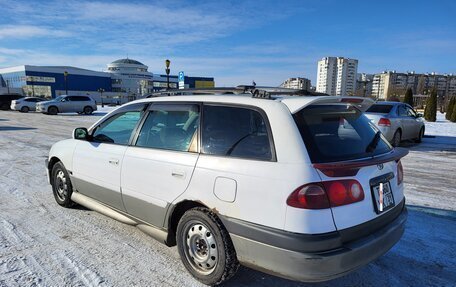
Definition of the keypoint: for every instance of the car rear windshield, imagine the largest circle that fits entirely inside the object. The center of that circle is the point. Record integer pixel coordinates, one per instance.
(338, 132)
(379, 109)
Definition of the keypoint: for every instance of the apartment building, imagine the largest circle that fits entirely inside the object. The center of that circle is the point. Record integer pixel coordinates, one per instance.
(389, 83)
(297, 83)
(336, 76)
(364, 85)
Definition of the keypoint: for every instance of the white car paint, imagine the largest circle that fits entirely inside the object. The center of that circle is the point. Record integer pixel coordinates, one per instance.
(128, 178)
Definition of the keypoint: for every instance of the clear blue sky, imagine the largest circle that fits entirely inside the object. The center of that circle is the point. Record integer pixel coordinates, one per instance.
(234, 41)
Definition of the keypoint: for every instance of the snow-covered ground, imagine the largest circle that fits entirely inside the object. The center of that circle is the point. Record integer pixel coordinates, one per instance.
(42, 244)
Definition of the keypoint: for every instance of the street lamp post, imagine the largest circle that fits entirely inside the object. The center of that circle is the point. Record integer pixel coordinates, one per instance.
(65, 75)
(101, 90)
(167, 70)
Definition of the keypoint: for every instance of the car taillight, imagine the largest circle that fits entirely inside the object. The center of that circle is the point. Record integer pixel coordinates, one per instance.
(310, 196)
(400, 173)
(330, 194)
(384, 122)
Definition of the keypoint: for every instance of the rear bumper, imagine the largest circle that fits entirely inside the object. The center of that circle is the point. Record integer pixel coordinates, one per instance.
(322, 265)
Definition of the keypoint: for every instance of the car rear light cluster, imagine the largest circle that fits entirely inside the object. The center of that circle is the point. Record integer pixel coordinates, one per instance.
(326, 194)
(400, 173)
(384, 122)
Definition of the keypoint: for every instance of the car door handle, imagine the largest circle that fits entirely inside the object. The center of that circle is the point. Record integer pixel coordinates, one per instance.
(114, 161)
(178, 174)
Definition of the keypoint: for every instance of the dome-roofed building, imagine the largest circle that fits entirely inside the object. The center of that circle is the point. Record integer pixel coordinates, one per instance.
(131, 77)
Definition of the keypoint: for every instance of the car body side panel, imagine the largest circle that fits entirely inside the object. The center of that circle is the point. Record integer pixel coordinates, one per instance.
(96, 171)
(152, 178)
(63, 150)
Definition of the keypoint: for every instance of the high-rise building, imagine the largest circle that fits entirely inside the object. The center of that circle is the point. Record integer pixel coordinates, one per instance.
(296, 83)
(392, 83)
(364, 85)
(336, 76)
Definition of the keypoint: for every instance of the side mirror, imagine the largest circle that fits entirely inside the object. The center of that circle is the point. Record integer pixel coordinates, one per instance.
(80, 134)
(419, 115)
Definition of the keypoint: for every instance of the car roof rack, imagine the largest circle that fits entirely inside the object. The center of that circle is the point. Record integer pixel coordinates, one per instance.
(255, 91)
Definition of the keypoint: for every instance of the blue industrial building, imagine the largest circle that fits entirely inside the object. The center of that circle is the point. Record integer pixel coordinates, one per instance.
(52, 81)
(126, 79)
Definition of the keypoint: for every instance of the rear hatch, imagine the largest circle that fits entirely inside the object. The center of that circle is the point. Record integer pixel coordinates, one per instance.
(345, 148)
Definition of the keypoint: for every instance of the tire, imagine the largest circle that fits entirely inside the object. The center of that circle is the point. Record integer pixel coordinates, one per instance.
(205, 247)
(420, 136)
(4, 107)
(53, 110)
(61, 185)
(25, 109)
(88, 110)
(396, 141)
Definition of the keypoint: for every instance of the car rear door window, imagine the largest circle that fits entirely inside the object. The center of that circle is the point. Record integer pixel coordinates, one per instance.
(235, 132)
(170, 127)
(402, 111)
(338, 132)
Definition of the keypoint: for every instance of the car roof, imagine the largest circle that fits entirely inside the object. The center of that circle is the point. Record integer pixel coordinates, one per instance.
(293, 103)
(391, 103)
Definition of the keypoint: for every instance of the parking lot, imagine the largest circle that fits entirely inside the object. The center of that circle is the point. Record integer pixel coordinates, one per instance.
(42, 244)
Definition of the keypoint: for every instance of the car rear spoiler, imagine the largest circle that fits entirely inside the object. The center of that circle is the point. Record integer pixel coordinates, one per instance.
(295, 104)
(351, 168)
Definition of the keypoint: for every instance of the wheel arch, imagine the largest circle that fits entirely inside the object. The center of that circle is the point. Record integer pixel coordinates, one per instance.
(175, 213)
(52, 161)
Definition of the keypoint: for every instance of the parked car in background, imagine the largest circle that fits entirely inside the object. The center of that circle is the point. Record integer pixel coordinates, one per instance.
(300, 187)
(25, 104)
(68, 104)
(397, 121)
(5, 100)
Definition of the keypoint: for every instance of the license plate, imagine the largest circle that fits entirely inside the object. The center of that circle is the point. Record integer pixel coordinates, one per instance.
(383, 196)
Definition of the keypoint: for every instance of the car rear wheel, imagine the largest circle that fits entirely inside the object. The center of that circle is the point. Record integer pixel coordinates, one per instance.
(420, 136)
(61, 185)
(53, 110)
(88, 110)
(25, 109)
(396, 138)
(205, 247)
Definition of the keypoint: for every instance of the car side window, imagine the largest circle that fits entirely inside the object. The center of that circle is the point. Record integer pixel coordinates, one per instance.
(118, 128)
(402, 111)
(170, 127)
(236, 132)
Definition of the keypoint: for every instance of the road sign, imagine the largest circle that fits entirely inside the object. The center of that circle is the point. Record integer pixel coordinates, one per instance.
(181, 79)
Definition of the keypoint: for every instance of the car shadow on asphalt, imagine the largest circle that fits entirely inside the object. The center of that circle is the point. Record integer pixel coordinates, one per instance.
(13, 128)
(424, 256)
(432, 143)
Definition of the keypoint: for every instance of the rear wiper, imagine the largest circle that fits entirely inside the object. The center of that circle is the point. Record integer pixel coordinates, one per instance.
(373, 144)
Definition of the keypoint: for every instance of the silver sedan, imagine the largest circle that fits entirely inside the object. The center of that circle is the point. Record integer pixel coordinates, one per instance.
(397, 121)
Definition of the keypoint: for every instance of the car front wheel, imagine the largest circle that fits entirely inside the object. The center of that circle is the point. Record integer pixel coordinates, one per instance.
(88, 110)
(205, 247)
(61, 185)
(53, 110)
(420, 136)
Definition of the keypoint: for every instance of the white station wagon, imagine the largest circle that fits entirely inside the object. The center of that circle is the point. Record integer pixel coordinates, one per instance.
(304, 188)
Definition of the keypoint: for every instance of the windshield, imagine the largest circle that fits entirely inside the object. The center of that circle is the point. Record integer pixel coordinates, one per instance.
(380, 109)
(58, 99)
(338, 132)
